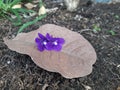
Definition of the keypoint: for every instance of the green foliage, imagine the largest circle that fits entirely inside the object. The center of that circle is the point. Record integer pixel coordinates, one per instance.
(17, 13)
(34, 21)
(6, 5)
(24, 1)
(117, 16)
(111, 32)
(41, 3)
(6, 11)
(31, 22)
(96, 28)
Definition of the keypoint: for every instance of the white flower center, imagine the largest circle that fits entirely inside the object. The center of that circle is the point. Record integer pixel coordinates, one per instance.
(44, 42)
(55, 43)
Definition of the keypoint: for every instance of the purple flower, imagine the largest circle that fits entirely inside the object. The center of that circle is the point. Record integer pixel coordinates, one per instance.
(48, 42)
(41, 42)
(55, 44)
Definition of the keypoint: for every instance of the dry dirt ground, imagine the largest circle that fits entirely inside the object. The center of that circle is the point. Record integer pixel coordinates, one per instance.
(99, 24)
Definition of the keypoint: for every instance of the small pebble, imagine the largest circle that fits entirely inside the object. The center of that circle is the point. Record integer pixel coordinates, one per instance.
(8, 62)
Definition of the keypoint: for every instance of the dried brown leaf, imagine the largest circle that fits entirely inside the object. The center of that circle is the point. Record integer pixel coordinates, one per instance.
(75, 59)
(30, 5)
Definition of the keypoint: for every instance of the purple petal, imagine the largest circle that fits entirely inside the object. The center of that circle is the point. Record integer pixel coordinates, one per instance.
(41, 36)
(53, 40)
(49, 46)
(48, 36)
(60, 40)
(57, 48)
(37, 40)
(40, 47)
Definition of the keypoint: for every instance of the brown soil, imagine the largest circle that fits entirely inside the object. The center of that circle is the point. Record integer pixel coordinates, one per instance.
(18, 72)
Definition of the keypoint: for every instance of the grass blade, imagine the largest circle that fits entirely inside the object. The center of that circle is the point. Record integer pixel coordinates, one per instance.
(30, 23)
(18, 16)
(23, 10)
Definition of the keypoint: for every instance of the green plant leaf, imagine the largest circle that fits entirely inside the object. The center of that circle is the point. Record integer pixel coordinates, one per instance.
(96, 28)
(18, 16)
(40, 3)
(111, 32)
(6, 5)
(31, 22)
(23, 10)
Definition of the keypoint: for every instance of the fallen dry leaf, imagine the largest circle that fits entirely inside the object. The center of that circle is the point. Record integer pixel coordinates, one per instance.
(75, 59)
(30, 5)
(42, 10)
(52, 10)
(17, 6)
(36, 1)
(118, 88)
(87, 87)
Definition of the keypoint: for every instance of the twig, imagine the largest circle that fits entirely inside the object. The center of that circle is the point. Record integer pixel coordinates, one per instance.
(83, 30)
(45, 86)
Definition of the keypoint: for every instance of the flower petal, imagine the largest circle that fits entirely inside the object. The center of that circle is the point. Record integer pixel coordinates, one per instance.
(57, 48)
(49, 46)
(48, 36)
(41, 36)
(37, 40)
(40, 47)
(60, 40)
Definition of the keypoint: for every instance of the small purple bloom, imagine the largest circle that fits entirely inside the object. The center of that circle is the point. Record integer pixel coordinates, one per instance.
(55, 44)
(49, 42)
(41, 42)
